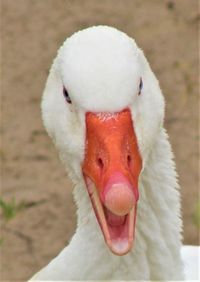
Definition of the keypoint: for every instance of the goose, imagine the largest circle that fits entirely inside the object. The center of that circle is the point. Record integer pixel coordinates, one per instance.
(104, 109)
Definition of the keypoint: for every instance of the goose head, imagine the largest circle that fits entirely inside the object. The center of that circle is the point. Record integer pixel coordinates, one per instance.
(103, 108)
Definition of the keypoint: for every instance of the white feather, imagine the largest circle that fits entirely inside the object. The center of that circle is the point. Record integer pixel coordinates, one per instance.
(101, 68)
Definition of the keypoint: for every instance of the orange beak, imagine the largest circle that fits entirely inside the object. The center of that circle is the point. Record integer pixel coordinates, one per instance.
(111, 169)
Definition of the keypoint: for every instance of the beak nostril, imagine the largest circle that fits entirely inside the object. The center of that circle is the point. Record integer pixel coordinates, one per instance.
(100, 163)
(129, 160)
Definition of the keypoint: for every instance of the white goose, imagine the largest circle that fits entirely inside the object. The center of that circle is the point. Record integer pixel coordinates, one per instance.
(104, 110)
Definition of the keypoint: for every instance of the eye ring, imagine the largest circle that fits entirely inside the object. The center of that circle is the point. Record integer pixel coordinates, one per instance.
(140, 86)
(66, 95)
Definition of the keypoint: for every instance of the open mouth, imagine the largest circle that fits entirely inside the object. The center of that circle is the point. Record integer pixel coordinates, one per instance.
(118, 230)
(111, 169)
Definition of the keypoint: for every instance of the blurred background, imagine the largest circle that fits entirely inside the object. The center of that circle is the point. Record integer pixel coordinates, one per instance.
(36, 206)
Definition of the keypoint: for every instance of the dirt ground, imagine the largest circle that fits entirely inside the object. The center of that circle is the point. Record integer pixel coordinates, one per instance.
(32, 31)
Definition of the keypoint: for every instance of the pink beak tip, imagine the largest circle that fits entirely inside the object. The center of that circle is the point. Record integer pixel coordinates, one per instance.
(119, 199)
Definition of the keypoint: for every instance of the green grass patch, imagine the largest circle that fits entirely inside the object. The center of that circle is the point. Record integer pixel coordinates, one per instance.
(10, 209)
(1, 241)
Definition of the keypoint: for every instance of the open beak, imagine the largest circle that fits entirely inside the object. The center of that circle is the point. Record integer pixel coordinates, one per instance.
(111, 169)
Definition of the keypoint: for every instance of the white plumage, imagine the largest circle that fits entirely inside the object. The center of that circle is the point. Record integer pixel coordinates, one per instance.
(101, 68)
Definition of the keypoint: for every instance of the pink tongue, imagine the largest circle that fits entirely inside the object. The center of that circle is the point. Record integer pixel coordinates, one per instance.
(114, 220)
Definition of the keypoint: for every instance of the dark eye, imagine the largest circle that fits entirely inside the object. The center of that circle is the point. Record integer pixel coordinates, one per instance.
(140, 86)
(66, 95)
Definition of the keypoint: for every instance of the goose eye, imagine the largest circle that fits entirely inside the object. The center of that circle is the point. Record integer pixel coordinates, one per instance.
(66, 95)
(140, 86)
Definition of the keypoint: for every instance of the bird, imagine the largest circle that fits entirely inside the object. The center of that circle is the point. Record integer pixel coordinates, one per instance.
(104, 110)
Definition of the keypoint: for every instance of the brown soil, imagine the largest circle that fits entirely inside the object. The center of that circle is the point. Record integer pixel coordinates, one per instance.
(32, 31)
